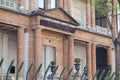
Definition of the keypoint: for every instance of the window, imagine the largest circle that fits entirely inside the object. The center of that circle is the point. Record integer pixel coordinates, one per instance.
(47, 57)
(41, 4)
(53, 4)
(100, 19)
(47, 4)
(80, 52)
(79, 11)
(8, 51)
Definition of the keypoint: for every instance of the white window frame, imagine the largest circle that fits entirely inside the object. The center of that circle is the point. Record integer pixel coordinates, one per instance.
(41, 4)
(53, 4)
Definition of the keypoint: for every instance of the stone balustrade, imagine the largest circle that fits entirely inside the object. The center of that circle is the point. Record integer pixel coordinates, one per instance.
(97, 29)
(9, 5)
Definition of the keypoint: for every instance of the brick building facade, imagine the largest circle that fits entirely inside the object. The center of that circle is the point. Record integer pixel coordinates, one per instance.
(41, 31)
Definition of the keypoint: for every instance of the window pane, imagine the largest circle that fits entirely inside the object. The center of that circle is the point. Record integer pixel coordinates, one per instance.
(47, 57)
(103, 22)
(41, 3)
(53, 4)
(98, 22)
(79, 11)
(100, 19)
(80, 52)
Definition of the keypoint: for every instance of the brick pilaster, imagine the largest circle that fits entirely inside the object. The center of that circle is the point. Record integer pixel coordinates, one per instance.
(64, 5)
(20, 54)
(65, 55)
(69, 7)
(93, 50)
(38, 49)
(89, 63)
(109, 56)
(60, 3)
(93, 14)
(71, 51)
(88, 14)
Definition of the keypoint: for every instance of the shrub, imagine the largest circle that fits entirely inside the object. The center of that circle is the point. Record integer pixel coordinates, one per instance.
(53, 63)
(77, 60)
(109, 66)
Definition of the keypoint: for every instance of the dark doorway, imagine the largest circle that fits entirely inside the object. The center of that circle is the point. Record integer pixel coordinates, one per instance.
(101, 59)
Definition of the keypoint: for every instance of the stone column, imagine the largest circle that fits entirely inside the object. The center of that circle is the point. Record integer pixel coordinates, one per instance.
(88, 14)
(38, 49)
(20, 54)
(93, 14)
(89, 63)
(70, 51)
(93, 50)
(109, 56)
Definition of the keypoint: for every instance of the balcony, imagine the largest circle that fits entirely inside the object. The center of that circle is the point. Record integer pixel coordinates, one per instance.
(8, 5)
(82, 26)
(101, 30)
(97, 29)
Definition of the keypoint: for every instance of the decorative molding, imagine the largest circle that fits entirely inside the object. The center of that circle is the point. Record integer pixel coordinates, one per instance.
(50, 24)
